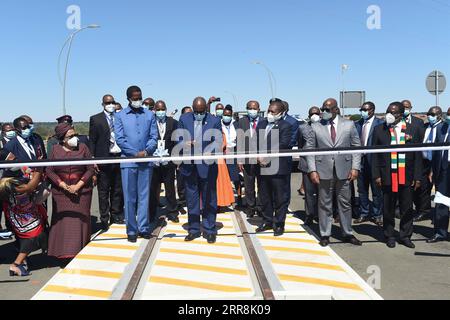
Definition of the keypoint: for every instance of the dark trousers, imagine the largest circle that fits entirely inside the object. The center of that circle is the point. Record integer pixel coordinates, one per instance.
(364, 182)
(275, 199)
(180, 187)
(251, 179)
(166, 175)
(422, 196)
(441, 220)
(110, 194)
(404, 197)
(311, 197)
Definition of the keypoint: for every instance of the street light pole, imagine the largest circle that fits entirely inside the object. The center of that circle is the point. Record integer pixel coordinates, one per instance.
(272, 80)
(70, 42)
(236, 102)
(344, 68)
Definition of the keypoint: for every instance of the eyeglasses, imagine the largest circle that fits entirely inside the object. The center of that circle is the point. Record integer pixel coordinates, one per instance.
(325, 110)
(430, 114)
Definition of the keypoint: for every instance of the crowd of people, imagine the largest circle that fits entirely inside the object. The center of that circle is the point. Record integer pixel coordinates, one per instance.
(129, 192)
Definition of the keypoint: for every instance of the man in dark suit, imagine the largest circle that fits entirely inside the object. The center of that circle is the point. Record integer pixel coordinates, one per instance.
(201, 135)
(247, 139)
(36, 137)
(366, 127)
(398, 174)
(423, 194)
(441, 178)
(102, 142)
(274, 134)
(180, 178)
(164, 172)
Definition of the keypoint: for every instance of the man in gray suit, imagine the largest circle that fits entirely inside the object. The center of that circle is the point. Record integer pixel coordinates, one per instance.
(334, 174)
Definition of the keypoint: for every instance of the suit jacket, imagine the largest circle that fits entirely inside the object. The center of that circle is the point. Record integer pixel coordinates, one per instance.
(305, 136)
(439, 162)
(284, 166)
(346, 137)
(136, 131)
(419, 125)
(245, 142)
(99, 136)
(381, 167)
(171, 126)
(359, 126)
(295, 125)
(212, 140)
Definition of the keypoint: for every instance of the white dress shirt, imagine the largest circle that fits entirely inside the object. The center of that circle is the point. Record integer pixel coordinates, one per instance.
(427, 134)
(336, 122)
(114, 147)
(29, 149)
(367, 126)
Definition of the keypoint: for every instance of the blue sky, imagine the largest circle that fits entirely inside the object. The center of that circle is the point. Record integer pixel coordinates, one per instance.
(177, 50)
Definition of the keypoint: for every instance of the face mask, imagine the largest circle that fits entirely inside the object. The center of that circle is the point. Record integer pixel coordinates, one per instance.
(161, 115)
(407, 112)
(219, 113)
(227, 119)
(110, 108)
(10, 135)
(390, 119)
(252, 113)
(200, 117)
(272, 118)
(448, 119)
(73, 142)
(365, 115)
(432, 120)
(315, 118)
(26, 133)
(32, 127)
(136, 104)
(327, 116)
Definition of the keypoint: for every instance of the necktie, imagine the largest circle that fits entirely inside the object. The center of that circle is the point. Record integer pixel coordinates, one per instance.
(198, 132)
(333, 132)
(430, 140)
(268, 129)
(364, 134)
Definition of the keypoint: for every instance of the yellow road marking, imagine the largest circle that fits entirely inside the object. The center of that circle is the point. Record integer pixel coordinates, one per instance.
(103, 258)
(199, 285)
(307, 264)
(322, 282)
(112, 246)
(120, 227)
(78, 291)
(218, 244)
(286, 239)
(202, 254)
(113, 235)
(297, 250)
(92, 273)
(189, 266)
(185, 232)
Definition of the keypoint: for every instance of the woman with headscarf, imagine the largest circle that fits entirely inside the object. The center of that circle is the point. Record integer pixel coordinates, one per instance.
(72, 196)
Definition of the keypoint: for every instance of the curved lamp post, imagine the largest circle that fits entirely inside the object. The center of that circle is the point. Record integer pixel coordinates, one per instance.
(272, 80)
(69, 41)
(236, 102)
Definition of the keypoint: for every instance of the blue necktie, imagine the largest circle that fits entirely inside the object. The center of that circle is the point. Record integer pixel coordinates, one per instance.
(430, 140)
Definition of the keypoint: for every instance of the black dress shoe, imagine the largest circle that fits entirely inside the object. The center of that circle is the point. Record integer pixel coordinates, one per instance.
(211, 238)
(391, 243)
(378, 221)
(192, 237)
(422, 217)
(263, 228)
(436, 239)
(361, 220)
(278, 232)
(325, 241)
(407, 243)
(309, 221)
(132, 239)
(173, 218)
(105, 227)
(353, 241)
(145, 236)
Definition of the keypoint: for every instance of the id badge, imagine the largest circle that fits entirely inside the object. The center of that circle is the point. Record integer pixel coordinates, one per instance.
(161, 145)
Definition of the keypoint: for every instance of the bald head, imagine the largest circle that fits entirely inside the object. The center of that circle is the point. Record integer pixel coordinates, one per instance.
(160, 106)
(253, 105)
(108, 99)
(149, 103)
(199, 105)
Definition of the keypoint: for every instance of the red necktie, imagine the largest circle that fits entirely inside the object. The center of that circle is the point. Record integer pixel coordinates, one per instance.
(333, 132)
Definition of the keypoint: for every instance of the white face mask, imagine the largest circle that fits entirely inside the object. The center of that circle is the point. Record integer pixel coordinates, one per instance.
(315, 118)
(110, 108)
(73, 142)
(390, 119)
(274, 118)
(327, 116)
(136, 104)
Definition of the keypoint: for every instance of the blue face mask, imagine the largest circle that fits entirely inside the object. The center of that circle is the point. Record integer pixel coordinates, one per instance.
(448, 119)
(32, 127)
(407, 112)
(432, 120)
(365, 115)
(227, 119)
(199, 117)
(26, 133)
(252, 114)
(219, 113)
(10, 135)
(161, 115)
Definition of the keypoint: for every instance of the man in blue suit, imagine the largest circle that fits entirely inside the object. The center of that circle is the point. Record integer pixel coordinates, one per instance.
(137, 136)
(441, 178)
(365, 128)
(201, 135)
